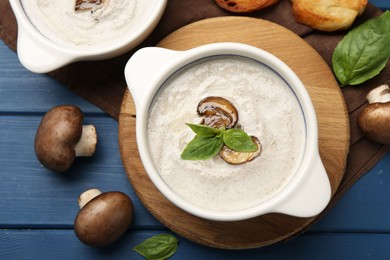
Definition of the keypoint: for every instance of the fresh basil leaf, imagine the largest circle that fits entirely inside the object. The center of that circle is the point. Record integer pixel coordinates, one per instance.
(238, 140)
(363, 52)
(202, 148)
(204, 130)
(158, 247)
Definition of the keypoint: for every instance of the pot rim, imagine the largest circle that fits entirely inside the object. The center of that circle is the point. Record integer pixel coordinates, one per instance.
(70, 54)
(310, 158)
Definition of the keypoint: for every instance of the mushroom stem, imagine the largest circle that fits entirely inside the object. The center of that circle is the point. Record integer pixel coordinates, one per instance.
(379, 94)
(86, 146)
(87, 196)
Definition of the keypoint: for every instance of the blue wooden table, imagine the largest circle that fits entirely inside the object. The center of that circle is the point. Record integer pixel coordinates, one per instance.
(38, 207)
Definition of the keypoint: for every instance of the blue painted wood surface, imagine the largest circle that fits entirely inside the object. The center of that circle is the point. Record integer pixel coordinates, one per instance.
(382, 4)
(38, 207)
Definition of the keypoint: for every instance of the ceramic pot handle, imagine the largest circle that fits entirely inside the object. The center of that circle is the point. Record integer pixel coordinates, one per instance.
(33, 53)
(311, 196)
(38, 57)
(144, 67)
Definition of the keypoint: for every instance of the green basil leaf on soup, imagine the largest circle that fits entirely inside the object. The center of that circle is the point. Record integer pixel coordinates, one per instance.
(160, 246)
(363, 52)
(202, 148)
(238, 140)
(204, 130)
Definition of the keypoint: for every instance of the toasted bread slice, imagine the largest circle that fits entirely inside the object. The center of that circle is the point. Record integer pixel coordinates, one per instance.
(328, 15)
(244, 6)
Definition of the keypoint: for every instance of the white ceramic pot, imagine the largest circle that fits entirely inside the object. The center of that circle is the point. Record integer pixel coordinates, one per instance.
(306, 194)
(39, 54)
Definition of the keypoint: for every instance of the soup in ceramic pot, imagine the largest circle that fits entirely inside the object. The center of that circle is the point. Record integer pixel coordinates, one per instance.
(267, 108)
(90, 25)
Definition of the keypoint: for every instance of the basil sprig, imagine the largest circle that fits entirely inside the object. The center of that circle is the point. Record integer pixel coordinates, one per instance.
(363, 52)
(158, 247)
(208, 142)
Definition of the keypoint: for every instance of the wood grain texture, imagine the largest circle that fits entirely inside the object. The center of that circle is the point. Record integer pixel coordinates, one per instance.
(33, 197)
(381, 4)
(36, 197)
(356, 228)
(332, 120)
(63, 244)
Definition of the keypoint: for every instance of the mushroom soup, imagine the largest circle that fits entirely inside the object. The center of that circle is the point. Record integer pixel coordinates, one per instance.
(85, 24)
(267, 108)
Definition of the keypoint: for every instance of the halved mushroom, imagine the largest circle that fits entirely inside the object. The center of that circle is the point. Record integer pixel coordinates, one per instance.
(88, 5)
(234, 157)
(103, 217)
(61, 137)
(374, 120)
(217, 112)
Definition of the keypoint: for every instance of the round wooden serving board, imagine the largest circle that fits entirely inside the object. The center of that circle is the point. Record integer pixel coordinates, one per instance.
(332, 118)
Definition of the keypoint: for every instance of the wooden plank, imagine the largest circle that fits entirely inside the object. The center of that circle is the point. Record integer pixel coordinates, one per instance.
(365, 207)
(22, 177)
(51, 196)
(26, 92)
(63, 244)
(382, 4)
(38, 197)
(33, 197)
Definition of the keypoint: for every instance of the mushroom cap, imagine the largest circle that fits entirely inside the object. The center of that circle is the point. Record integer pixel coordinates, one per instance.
(233, 157)
(57, 134)
(374, 122)
(217, 112)
(88, 5)
(104, 219)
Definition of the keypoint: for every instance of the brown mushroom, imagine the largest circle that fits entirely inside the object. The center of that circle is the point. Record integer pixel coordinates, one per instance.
(88, 5)
(61, 137)
(374, 120)
(234, 157)
(103, 217)
(217, 112)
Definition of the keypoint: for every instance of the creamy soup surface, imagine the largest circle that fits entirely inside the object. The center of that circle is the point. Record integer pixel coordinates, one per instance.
(267, 108)
(58, 21)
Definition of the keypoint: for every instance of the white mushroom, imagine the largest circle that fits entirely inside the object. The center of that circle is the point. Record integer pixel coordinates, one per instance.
(374, 120)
